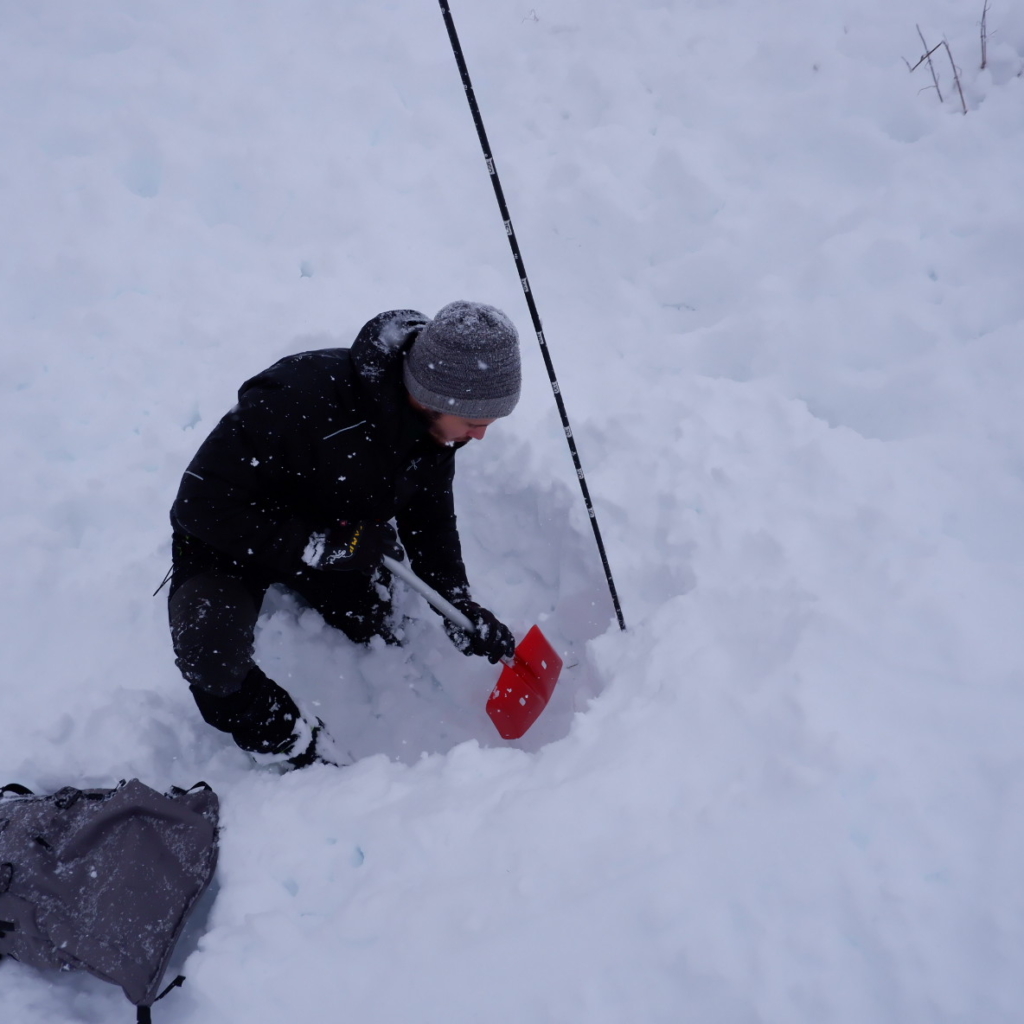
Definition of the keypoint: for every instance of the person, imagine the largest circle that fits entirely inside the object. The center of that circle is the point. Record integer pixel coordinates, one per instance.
(331, 459)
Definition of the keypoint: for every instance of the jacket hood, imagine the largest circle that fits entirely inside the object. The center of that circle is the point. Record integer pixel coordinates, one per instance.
(381, 344)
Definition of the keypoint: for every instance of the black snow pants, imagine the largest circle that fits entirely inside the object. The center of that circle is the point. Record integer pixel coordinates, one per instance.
(213, 606)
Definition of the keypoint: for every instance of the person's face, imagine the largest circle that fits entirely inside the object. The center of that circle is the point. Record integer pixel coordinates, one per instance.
(448, 429)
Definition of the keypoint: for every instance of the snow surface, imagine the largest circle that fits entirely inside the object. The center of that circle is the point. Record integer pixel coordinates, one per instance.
(781, 283)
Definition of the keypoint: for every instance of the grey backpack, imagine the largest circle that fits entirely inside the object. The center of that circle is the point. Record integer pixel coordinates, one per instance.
(104, 879)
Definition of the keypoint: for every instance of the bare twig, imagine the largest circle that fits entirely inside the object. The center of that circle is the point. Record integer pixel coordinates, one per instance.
(928, 57)
(984, 36)
(913, 67)
(956, 75)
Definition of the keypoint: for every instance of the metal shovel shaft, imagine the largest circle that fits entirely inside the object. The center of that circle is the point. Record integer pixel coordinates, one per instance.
(432, 597)
(443, 605)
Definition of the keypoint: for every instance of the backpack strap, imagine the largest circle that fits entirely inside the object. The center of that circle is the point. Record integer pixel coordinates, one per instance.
(143, 1014)
(170, 572)
(17, 790)
(178, 791)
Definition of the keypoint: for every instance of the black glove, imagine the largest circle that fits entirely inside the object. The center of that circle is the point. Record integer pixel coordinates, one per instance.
(358, 546)
(490, 639)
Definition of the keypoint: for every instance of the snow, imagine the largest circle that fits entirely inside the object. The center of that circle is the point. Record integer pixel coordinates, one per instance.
(780, 284)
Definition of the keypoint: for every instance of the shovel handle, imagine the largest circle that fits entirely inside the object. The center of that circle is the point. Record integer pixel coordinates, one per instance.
(444, 606)
(432, 597)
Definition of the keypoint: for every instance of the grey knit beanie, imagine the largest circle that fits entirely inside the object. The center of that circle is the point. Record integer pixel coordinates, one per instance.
(466, 362)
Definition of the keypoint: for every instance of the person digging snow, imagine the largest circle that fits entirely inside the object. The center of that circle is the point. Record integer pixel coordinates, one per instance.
(300, 483)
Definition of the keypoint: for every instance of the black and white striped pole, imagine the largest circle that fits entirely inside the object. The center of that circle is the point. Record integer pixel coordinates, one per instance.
(528, 292)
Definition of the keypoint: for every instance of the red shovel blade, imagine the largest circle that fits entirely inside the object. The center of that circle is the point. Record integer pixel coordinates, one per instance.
(524, 687)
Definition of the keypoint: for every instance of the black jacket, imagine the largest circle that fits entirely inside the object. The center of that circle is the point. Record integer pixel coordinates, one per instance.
(321, 437)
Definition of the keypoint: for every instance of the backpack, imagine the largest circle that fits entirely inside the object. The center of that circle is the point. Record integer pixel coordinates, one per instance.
(103, 880)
